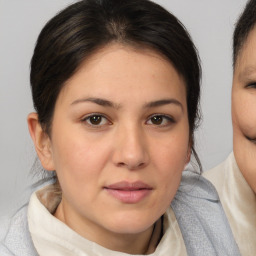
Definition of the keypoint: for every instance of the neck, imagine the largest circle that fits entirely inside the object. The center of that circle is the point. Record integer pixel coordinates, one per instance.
(129, 243)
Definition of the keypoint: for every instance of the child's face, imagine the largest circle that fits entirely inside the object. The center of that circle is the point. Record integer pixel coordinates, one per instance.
(119, 142)
(244, 110)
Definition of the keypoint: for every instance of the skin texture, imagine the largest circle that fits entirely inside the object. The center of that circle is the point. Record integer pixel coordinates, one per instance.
(244, 110)
(124, 144)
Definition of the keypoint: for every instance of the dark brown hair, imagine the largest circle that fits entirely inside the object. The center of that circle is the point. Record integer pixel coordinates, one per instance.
(86, 26)
(244, 26)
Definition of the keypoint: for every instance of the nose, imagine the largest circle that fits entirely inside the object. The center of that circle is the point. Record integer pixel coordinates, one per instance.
(131, 150)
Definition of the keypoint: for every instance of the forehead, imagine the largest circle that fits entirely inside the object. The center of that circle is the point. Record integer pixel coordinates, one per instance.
(117, 61)
(246, 61)
(124, 74)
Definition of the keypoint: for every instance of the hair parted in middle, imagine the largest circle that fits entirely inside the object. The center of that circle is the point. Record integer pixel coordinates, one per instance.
(84, 27)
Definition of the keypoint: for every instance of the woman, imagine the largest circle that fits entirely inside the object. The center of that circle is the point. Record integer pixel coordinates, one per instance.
(116, 86)
(235, 179)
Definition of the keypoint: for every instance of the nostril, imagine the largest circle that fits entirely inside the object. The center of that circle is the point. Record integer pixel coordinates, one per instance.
(120, 164)
(131, 166)
(130, 154)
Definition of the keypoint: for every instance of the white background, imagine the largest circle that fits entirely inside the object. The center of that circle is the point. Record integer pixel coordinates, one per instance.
(210, 23)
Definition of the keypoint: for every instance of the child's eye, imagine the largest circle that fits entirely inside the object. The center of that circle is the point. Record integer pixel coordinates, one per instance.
(160, 120)
(96, 120)
(251, 85)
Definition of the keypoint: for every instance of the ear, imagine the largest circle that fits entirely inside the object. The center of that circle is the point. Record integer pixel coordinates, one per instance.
(188, 155)
(41, 141)
(189, 150)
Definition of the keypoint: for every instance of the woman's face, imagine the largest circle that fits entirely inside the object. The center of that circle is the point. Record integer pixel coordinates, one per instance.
(244, 110)
(119, 141)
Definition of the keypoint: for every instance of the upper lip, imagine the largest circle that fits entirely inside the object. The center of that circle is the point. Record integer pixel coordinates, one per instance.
(130, 186)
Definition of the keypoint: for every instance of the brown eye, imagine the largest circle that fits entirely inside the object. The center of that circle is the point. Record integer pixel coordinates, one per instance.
(160, 120)
(157, 120)
(96, 120)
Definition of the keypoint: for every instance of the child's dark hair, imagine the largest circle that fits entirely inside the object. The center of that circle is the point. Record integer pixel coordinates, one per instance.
(244, 26)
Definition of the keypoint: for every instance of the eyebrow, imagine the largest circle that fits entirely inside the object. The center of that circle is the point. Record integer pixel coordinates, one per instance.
(247, 72)
(107, 103)
(163, 102)
(99, 101)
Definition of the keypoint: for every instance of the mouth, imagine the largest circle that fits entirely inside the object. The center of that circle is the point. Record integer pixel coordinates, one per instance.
(129, 192)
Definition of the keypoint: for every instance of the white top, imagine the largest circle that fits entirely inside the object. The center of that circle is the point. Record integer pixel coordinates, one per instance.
(51, 237)
(239, 203)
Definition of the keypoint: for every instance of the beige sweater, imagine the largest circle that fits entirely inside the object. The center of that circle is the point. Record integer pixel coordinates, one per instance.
(239, 203)
(52, 237)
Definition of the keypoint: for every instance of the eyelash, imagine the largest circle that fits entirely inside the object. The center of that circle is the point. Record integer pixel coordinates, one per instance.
(169, 119)
(163, 117)
(251, 85)
(87, 118)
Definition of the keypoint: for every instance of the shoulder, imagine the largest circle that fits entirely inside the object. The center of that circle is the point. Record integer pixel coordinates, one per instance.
(201, 218)
(17, 240)
(195, 196)
(4, 251)
(194, 185)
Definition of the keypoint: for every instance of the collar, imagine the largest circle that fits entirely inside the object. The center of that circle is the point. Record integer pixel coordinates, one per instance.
(50, 235)
(239, 200)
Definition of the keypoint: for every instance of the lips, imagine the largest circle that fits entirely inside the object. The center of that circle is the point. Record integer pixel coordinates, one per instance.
(127, 192)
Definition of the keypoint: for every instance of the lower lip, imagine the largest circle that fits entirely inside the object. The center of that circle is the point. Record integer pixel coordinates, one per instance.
(129, 196)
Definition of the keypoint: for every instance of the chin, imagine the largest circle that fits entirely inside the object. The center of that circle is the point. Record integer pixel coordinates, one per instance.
(131, 224)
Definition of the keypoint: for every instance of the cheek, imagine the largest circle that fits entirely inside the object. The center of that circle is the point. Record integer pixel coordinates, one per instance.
(171, 163)
(244, 114)
(79, 167)
(171, 158)
(79, 159)
(174, 150)
(244, 125)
